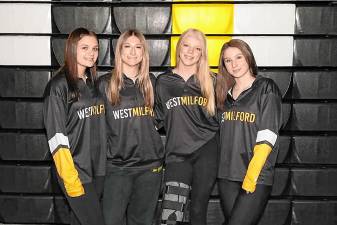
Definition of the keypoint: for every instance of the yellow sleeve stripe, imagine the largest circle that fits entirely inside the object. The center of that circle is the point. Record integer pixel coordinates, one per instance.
(263, 148)
(261, 153)
(66, 169)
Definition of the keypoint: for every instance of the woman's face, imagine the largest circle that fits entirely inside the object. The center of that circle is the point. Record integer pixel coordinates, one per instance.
(132, 51)
(190, 50)
(235, 63)
(87, 52)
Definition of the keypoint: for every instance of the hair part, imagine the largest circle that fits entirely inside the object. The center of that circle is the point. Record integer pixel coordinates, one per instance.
(225, 81)
(70, 60)
(203, 74)
(116, 82)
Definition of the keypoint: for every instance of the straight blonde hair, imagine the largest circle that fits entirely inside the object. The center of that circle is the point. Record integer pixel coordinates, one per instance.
(116, 82)
(203, 75)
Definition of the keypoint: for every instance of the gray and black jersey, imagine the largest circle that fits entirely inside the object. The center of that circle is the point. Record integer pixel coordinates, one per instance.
(182, 108)
(77, 125)
(133, 141)
(254, 118)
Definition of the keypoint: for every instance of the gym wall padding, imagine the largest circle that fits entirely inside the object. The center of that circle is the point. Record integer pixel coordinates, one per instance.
(294, 42)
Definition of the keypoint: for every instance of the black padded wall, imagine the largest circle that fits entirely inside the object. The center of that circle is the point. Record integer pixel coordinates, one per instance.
(32, 43)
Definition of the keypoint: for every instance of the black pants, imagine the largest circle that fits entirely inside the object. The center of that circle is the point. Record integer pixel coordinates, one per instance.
(240, 208)
(130, 196)
(199, 172)
(85, 209)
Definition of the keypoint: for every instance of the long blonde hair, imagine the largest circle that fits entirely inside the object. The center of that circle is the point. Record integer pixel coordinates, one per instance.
(144, 83)
(203, 75)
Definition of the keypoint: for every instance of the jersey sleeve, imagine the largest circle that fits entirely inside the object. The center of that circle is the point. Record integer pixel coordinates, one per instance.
(101, 136)
(268, 132)
(158, 106)
(54, 116)
(271, 117)
(100, 166)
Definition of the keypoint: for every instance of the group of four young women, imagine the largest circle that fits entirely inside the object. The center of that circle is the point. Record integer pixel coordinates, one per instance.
(110, 124)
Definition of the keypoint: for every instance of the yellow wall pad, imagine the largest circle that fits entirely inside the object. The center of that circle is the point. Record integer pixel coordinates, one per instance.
(214, 44)
(208, 18)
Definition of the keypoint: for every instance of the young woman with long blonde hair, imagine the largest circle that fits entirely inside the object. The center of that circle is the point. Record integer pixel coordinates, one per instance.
(186, 104)
(135, 150)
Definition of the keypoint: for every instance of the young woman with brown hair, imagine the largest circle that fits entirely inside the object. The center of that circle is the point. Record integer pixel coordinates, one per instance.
(250, 119)
(74, 119)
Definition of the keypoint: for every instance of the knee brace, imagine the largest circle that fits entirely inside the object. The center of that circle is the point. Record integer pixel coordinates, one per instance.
(175, 199)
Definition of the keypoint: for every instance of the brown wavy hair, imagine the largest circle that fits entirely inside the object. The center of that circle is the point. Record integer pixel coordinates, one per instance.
(70, 60)
(225, 81)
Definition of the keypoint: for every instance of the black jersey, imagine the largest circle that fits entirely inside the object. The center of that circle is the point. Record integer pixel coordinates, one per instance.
(253, 118)
(182, 107)
(133, 140)
(77, 125)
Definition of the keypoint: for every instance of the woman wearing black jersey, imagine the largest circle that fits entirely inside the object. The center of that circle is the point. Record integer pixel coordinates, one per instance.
(249, 125)
(75, 123)
(186, 104)
(135, 150)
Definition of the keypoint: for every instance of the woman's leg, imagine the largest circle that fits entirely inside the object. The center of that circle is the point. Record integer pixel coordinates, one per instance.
(85, 209)
(116, 195)
(249, 208)
(205, 168)
(228, 191)
(177, 181)
(144, 198)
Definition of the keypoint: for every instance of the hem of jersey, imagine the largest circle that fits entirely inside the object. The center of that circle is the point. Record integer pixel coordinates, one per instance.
(241, 180)
(155, 164)
(87, 180)
(187, 155)
(231, 178)
(99, 175)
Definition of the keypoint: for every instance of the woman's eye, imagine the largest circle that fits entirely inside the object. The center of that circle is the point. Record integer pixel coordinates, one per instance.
(85, 47)
(95, 49)
(126, 46)
(227, 60)
(139, 47)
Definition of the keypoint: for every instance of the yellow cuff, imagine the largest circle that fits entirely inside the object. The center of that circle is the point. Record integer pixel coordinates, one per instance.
(248, 185)
(66, 169)
(74, 190)
(261, 153)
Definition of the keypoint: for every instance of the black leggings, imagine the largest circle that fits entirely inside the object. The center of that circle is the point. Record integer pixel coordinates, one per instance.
(240, 208)
(199, 172)
(85, 209)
